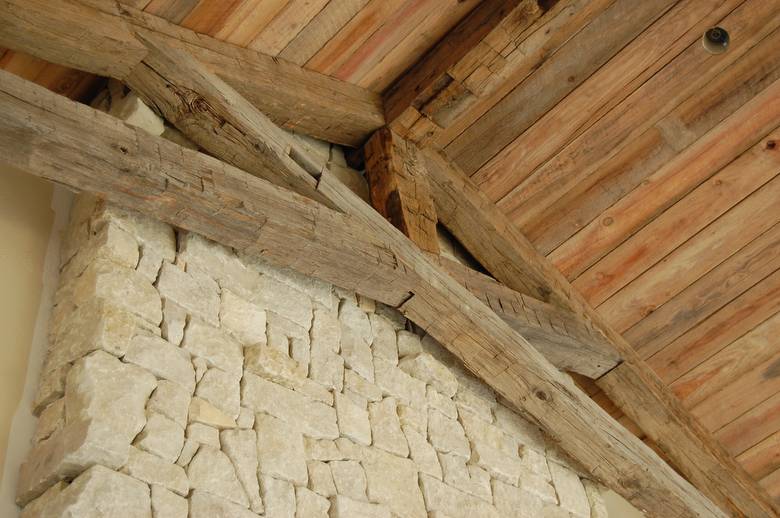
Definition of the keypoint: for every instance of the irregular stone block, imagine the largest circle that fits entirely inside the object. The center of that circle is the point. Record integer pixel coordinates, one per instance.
(246, 419)
(408, 343)
(353, 420)
(447, 435)
(310, 504)
(441, 403)
(355, 339)
(313, 288)
(422, 453)
(188, 451)
(538, 486)
(480, 431)
(414, 417)
(39, 508)
(323, 450)
(507, 468)
(241, 447)
(109, 244)
(313, 418)
(243, 319)
(173, 322)
(283, 300)
(321, 478)
(349, 478)
(197, 294)
(553, 511)
(535, 462)
(385, 427)
(343, 507)
(211, 471)
(325, 331)
(289, 337)
(203, 434)
(171, 400)
(274, 365)
(214, 346)
(571, 493)
(383, 344)
(468, 478)
(595, 492)
(279, 497)
(475, 396)
(162, 437)
(154, 470)
(354, 382)
(149, 264)
(280, 450)
(166, 504)
(201, 411)
(392, 481)
(425, 367)
(512, 501)
(51, 387)
(396, 383)
(162, 359)
(327, 369)
(526, 433)
(457, 504)
(393, 315)
(221, 389)
(208, 505)
(52, 419)
(148, 231)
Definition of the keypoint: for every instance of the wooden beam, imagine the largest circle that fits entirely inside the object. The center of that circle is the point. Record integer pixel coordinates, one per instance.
(492, 239)
(399, 188)
(76, 35)
(558, 334)
(87, 150)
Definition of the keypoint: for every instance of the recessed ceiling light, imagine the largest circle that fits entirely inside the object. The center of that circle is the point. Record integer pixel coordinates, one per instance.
(716, 40)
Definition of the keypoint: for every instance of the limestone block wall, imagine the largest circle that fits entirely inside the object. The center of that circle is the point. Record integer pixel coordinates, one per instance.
(183, 380)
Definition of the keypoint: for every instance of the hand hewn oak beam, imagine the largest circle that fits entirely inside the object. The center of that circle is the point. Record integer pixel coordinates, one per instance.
(76, 35)
(492, 239)
(399, 188)
(57, 139)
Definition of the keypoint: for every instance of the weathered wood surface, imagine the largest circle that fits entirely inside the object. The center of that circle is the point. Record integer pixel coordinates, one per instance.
(70, 33)
(87, 150)
(399, 188)
(496, 243)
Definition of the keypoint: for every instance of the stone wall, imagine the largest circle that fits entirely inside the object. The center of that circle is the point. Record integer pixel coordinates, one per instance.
(185, 381)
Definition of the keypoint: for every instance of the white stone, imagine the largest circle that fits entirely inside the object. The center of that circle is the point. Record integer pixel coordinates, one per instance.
(166, 504)
(457, 504)
(203, 434)
(468, 478)
(501, 466)
(284, 300)
(327, 369)
(475, 396)
(162, 359)
(188, 451)
(104, 411)
(148, 231)
(383, 344)
(447, 435)
(195, 293)
(289, 337)
(309, 504)
(214, 346)
(356, 383)
(343, 507)
(392, 481)
(321, 449)
(535, 462)
(353, 420)
(349, 450)
(211, 471)
(385, 427)
(392, 314)
(241, 448)
(52, 419)
(422, 453)
(162, 437)
(478, 430)
(425, 367)
(408, 343)
(355, 339)
(321, 478)
(526, 433)
(154, 470)
(313, 288)
(539, 486)
(149, 264)
(100, 492)
(441, 403)
(553, 511)
(415, 417)
(171, 400)
(245, 320)
(201, 366)
(279, 497)
(222, 390)
(108, 244)
(274, 365)
(570, 491)
(39, 508)
(280, 450)
(206, 505)
(325, 331)
(349, 478)
(595, 492)
(173, 322)
(246, 418)
(398, 384)
(201, 411)
(51, 386)
(511, 501)
(312, 418)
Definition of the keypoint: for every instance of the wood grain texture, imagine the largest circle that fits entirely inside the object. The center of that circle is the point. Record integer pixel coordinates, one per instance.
(201, 194)
(399, 188)
(751, 427)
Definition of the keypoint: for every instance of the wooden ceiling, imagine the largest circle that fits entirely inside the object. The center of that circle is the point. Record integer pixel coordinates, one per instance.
(643, 166)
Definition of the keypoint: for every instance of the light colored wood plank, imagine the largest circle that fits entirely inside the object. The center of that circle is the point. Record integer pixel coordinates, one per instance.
(689, 262)
(292, 97)
(399, 188)
(707, 107)
(707, 202)
(751, 427)
(198, 193)
(208, 15)
(172, 10)
(772, 484)
(286, 25)
(763, 458)
(321, 29)
(603, 37)
(247, 20)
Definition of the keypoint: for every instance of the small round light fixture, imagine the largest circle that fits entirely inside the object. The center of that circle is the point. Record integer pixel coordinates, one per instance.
(716, 40)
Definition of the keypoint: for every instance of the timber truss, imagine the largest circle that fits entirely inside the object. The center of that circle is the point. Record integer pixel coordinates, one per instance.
(254, 188)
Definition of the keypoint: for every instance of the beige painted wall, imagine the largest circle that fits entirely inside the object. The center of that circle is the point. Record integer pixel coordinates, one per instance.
(25, 224)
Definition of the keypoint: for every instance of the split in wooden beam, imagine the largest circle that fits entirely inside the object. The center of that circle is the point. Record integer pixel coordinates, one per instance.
(44, 134)
(502, 249)
(76, 34)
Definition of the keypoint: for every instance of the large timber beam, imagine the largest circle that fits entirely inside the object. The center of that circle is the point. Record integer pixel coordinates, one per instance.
(100, 37)
(57, 139)
(492, 239)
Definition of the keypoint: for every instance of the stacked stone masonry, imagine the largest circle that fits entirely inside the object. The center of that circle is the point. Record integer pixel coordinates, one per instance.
(183, 380)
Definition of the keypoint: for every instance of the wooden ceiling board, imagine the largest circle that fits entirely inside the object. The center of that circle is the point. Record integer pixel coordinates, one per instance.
(752, 427)
(763, 458)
